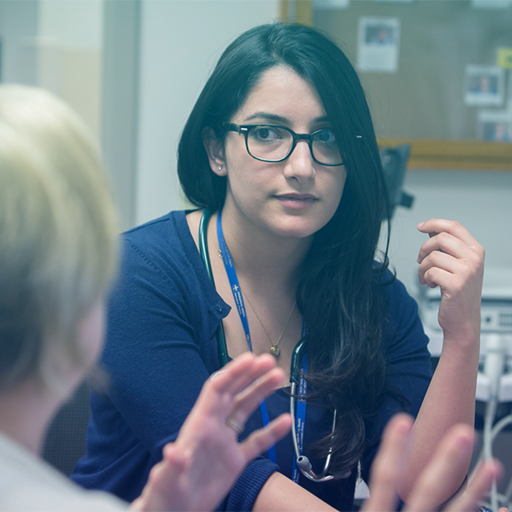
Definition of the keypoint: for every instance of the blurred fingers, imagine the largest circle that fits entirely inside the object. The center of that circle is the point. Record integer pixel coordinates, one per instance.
(168, 470)
(480, 484)
(260, 440)
(240, 372)
(250, 397)
(220, 391)
(447, 463)
(385, 469)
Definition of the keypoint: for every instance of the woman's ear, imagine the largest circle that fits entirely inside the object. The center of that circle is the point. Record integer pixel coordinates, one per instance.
(215, 151)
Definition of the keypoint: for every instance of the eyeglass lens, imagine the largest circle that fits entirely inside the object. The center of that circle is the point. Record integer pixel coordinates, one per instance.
(274, 143)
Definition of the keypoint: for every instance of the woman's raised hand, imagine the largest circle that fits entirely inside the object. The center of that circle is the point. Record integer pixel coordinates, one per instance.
(453, 260)
(201, 466)
(436, 478)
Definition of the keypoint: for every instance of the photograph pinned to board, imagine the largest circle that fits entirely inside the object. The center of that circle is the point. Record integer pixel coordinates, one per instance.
(494, 125)
(331, 4)
(378, 44)
(484, 86)
(491, 4)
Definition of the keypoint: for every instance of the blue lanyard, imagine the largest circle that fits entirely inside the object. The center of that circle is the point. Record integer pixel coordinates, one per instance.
(239, 301)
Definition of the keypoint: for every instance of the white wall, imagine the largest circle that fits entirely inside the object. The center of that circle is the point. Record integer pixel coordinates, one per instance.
(181, 41)
(78, 23)
(18, 20)
(74, 30)
(55, 44)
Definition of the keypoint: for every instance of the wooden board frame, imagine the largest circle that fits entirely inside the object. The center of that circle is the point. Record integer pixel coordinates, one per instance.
(456, 154)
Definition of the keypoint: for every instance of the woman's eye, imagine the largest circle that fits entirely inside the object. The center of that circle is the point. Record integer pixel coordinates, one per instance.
(326, 137)
(265, 133)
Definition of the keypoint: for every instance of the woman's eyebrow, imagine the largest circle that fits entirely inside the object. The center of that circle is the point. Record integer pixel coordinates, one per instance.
(268, 116)
(280, 119)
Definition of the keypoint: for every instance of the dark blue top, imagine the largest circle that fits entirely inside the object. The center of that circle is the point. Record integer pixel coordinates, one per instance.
(161, 347)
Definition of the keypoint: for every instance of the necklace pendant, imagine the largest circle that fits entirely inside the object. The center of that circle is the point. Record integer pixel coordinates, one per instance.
(275, 350)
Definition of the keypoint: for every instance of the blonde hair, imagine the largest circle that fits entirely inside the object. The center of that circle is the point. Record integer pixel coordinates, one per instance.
(58, 229)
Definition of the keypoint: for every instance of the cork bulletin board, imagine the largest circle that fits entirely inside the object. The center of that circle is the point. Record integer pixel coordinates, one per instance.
(437, 73)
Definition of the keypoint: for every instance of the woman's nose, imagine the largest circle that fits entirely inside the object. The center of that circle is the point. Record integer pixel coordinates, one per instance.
(300, 164)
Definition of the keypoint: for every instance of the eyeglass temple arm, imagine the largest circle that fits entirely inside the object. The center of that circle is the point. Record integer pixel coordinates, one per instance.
(232, 127)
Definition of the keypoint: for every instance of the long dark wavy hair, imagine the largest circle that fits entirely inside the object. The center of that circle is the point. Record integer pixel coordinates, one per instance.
(338, 293)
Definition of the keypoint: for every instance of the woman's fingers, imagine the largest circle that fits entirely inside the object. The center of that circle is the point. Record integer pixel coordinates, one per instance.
(249, 398)
(450, 248)
(226, 400)
(220, 392)
(480, 484)
(261, 440)
(452, 259)
(448, 237)
(436, 227)
(240, 372)
(207, 445)
(446, 464)
(386, 467)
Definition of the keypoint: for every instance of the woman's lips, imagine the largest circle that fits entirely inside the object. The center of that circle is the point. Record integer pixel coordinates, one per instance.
(296, 201)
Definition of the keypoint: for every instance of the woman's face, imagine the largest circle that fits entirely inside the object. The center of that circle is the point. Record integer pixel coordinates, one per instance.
(295, 197)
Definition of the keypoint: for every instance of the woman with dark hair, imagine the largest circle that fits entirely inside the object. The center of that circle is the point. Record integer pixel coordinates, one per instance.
(280, 158)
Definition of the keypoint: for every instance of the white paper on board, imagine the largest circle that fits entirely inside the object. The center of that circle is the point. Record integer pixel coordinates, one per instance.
(378, 44)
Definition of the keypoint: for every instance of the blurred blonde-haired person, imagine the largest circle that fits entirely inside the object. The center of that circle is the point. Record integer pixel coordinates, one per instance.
(58, 257)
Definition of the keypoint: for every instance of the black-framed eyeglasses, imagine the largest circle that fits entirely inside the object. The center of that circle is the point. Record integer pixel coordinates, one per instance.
(274, 143)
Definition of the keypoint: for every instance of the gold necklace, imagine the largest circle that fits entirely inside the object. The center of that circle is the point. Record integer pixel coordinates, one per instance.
(274, 349)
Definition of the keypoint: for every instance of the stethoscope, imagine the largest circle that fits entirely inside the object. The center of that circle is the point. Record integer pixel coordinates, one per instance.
(299, 360)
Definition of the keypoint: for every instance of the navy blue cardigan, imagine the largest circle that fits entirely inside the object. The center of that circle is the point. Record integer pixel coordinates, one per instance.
(161, 348)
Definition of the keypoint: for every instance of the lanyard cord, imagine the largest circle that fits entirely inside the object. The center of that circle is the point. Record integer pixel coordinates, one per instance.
(239, 301)
(233, 279)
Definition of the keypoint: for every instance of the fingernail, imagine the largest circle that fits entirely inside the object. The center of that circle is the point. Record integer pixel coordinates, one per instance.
(421, 224)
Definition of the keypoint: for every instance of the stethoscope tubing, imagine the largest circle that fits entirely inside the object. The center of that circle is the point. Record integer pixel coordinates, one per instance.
(205, 256)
